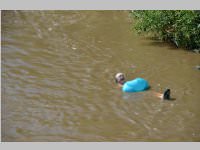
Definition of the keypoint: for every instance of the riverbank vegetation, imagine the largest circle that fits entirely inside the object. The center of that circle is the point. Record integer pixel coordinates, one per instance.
(181, 27)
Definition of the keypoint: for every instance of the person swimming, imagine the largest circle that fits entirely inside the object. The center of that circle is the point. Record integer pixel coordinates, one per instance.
(138, 85)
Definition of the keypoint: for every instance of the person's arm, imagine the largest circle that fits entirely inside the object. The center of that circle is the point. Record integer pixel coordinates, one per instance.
(120, 85)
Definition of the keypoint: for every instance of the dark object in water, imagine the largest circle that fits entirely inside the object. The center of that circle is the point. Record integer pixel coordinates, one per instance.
(166, 95)
(197, 67)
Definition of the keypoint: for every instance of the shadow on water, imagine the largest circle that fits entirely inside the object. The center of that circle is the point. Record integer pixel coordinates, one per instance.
(172, 99)
(159, 43)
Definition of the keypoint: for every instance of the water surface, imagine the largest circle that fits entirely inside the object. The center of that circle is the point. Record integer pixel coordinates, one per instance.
(58, 72)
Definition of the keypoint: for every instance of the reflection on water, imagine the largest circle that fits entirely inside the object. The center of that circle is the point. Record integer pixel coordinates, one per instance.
(57, 80)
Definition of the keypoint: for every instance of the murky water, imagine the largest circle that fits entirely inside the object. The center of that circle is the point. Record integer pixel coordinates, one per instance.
(58, 85)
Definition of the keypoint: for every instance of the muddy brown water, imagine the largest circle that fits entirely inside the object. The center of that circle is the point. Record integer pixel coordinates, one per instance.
(58, 84)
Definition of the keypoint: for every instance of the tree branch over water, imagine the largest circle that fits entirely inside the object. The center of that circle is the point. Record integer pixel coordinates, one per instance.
(181, 27)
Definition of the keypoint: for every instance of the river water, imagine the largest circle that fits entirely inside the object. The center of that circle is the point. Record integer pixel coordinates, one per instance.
(58, 84)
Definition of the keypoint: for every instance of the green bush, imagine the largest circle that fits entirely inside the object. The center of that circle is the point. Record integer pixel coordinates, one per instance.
(181, 27)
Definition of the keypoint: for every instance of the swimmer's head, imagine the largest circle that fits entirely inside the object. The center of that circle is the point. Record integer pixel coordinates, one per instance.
(120, 78)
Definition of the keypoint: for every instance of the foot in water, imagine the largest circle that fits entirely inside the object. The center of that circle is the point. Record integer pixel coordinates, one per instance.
(166, 95)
